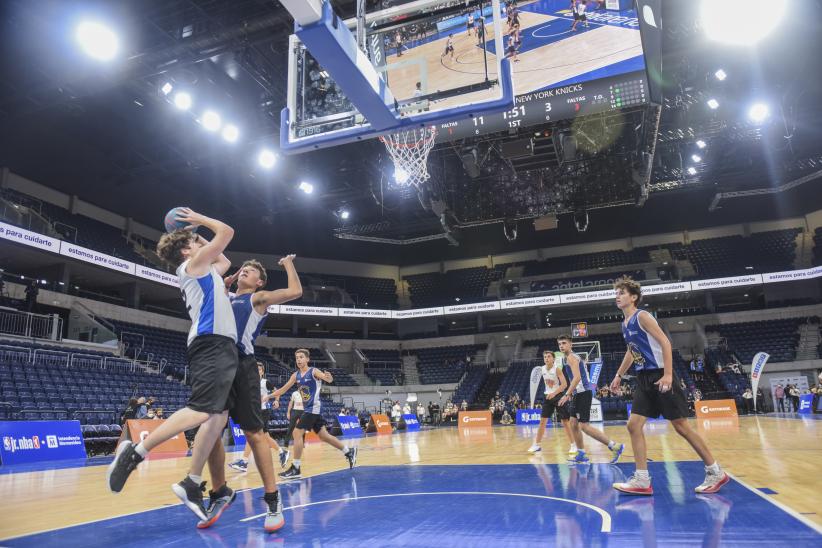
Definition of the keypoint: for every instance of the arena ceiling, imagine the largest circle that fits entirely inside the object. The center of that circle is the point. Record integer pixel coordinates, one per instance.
(105, 133)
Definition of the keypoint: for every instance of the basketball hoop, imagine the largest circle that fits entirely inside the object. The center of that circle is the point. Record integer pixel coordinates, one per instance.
(409, 150)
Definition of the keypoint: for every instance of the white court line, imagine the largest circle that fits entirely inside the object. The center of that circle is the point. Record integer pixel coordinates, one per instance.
(606, 517)
(782, 506)
(163, 507)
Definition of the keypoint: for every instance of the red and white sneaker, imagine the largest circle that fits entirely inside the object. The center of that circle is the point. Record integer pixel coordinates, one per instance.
(635, 486)
(713, 482)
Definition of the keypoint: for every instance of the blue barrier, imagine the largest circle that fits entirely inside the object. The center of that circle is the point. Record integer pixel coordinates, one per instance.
(37, 441)
(528, 416)
(805, 404)
(411, 423)
(236, 433)
(350, 426)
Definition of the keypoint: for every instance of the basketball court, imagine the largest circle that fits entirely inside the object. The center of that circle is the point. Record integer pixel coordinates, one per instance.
(454, 487)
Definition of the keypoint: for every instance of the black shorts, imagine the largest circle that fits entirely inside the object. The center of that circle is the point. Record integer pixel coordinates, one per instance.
(212, 364)
(581, 406)
(549, 406)
(311, 421)
(245, 396)
(650, 402)
(576, 17)
(583, 17)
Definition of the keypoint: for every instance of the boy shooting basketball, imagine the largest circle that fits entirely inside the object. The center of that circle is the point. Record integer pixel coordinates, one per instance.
(658, 392)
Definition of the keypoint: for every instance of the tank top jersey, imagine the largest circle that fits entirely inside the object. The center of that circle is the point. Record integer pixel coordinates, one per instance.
(551, 379)
(264, 389)
(297, 399)
(207, 304)
(249, 322)
(309, 389)
(584, 383)
(647, 353)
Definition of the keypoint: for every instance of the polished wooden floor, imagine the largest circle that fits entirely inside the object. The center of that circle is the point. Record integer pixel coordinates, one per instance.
(782, 454)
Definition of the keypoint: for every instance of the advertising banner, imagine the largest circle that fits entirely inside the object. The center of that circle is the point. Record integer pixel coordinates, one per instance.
(350, 426)
(237, 433)
(139, 429)
(31, 239)
(474, 418)
(708, 409)
(805, 404)
(411, 423)
(381, 423)
(38, 441)
(757, 366)
(528, 416)
(96, 257)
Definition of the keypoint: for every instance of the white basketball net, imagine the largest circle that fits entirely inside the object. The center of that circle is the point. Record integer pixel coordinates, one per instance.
(409, 150)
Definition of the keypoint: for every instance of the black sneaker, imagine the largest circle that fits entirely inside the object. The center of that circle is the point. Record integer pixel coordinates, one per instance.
(192, 496)
(218, 502)
(292, 472)
(351, 455)
(125, 461)
(274, 519)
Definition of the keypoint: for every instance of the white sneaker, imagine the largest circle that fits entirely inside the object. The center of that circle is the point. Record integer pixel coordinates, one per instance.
(635, 486)
(572, 451)
(713, 482)
(534, 448)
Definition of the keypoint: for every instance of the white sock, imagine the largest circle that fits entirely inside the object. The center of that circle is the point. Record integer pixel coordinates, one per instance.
(282, 450)
(611, 444)
(573, 447)
(142, 451)
(714, 468)
(196, 479)
(296, 462)
(642, 474)
(345, 449)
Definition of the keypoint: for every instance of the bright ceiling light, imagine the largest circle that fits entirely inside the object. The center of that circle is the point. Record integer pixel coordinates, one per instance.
(211, 120)
(267, 159)
(166, 89)
(713, 104)
(400, 175)
(345, 214)
(700, 144)
(720, 75)
(726, 22)
(182, 100)
(231, 133)
(692, 170)
(308, 188)
(97, 40)
(696, 158)
(758, 112)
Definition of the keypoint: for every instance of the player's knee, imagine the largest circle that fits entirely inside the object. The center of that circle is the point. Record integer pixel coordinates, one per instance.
(634, 427)
(255, 436)
(681, 426)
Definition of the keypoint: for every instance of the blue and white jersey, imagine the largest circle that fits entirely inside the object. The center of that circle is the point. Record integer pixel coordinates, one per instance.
(584, 383)
(309, 389)
(647, 353)
(249, 322)
(207, 304)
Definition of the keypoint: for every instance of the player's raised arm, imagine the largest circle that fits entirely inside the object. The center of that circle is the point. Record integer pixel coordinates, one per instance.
(284, 388)
(211, 252)
(324, 376)
(294, 290)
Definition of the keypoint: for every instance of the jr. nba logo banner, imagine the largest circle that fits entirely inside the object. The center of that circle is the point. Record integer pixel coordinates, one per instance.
(757, 366)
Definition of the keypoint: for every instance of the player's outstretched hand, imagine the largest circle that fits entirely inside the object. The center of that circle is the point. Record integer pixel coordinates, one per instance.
(287, 259)
(188, 215)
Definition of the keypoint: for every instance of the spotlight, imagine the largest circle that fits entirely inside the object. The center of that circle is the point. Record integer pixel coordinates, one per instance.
(758, 112)
(211, 120)
(182, 100)
(308, 188)
(692, 170)
(725, 22)
(700, 144)
(713, 104)
(166, 89)
(720, 75)
(345, 214)
(97, 40)
(696, 158)
(400, 175)
(267, 159)
(231, 133)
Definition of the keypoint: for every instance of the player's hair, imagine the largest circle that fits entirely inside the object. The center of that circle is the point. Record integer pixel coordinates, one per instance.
(547, 352)
(303, 351)
(255, 264)
(261, 364)
(631, 286)
(171, 245)
(565, 338)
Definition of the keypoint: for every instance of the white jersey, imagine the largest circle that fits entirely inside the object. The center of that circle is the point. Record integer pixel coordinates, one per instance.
(264, 393)
(551, 379)
(207, 304)
(297, 401)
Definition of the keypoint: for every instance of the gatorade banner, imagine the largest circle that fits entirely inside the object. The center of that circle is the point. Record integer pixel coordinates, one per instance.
(536, 377)
(380, 423)
(37, 441)
(757, 366)
(411, 423)
(237, 433)
(474, 418)
(594, 369)
(350, 426)
(139, 429)
(708, 409)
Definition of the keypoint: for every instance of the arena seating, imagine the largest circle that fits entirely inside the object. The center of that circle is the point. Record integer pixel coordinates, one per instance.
(465, 284)
(154, 344)
(90, 233)
(604, 259)
(364, 291)
(778, 338)
(444, 364)
(817, 247)
(470, 385)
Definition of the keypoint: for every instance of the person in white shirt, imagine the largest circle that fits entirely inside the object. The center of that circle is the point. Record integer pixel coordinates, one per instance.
(406, 409)
(555, 385)
(293, 414)
(420, 411)
(396, 411)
